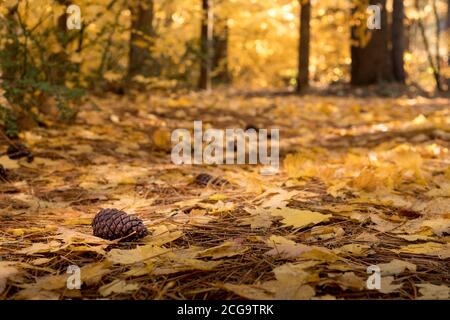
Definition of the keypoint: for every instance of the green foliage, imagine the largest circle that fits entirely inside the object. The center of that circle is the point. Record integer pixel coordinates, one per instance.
(31, 72)
(9, 121)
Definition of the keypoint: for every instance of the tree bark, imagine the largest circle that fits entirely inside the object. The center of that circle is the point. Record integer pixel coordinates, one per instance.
(220, 57)
(11, 50)
(142, 36)
(398, 41)
(371, 62)
(448, 42)
(59, 61)
(204, 81)
(303, 54)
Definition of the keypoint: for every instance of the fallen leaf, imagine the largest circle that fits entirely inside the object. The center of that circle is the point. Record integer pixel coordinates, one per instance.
(41, 247)
(7, 269)
(248, 291)
(93, 273)
(300, 218)
(36, 294)
(386, 285)
(139, 254)
(227, 249)
(427, 248)
(350, 281)
(355, 249)
(117, 286)
(259, 218)
(430, 291)
(396, 267)
(7, 163)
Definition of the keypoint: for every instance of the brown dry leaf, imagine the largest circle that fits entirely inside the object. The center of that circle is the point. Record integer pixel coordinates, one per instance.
(36, 294)
(430, 291)
(326, 232)
(381, 224)
(291, 282)
(19, 232)
(7, 270)
(427, 248)
(321, 254)
(396, 267)
(179, 264)
(41, 248)
(139, 254)
(299, 218)
(290, 290)
(69, 237)
(87, 248)
(290, 285)
(93, 273)
(78, 221)
(415, 237)
(160, 239)
(227, 249)
(218, 207)
(288, 251)
(251, 292)
(354, 249)
(40, 261)
(437, 206)
(275, 240)
(50, 282)
(367, 237)
(285, 248)
(350, 281)
(161, 139)
(8, 163)
(117, 286)
(259, 218)
(439, 226)
(80, 149)
(195, 217)
(295, 272)
(54, 165)
(139, 270)
(386, 285)
(280, 200)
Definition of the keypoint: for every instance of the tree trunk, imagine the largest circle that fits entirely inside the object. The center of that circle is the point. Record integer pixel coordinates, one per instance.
(303, 54)
(398, 41)
(220, 58)
(448, 42)
(59, 63)
(11, 51)
(204, 81)
(141, 40)
(371, 61)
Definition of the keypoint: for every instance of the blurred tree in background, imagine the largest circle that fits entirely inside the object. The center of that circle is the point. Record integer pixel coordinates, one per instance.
(192, 44)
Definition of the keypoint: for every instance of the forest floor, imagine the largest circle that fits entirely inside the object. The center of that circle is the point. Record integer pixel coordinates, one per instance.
(363, 182)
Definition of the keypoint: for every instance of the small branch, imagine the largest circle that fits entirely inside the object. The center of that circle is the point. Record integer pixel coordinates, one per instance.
(427, 48)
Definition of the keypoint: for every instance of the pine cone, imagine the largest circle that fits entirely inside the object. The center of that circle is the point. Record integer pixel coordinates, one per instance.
(3, 174)
(204, 179)
(18, 150)
(113, 224)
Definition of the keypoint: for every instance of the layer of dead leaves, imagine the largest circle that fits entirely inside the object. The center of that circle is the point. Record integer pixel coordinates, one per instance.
(363, 182)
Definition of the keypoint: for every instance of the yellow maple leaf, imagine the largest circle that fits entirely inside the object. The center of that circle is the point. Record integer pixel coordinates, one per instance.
(300, 218)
